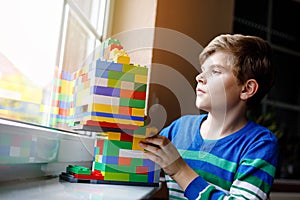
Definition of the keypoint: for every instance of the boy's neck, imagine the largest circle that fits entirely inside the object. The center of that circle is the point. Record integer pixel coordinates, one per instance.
(214, 128)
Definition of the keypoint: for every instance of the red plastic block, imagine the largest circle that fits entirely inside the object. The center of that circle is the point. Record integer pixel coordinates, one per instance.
(141, 169)
(139, 95)
(126, 137)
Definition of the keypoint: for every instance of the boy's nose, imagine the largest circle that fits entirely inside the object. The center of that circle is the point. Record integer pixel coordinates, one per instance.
(200, 78)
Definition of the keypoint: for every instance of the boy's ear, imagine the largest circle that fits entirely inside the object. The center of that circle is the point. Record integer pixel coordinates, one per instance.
(249, 89)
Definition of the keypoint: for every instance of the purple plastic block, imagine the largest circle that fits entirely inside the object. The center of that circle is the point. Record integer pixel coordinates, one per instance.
(115, 92)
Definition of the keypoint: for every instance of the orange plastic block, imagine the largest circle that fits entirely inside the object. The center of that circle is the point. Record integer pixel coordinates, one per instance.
(124, 161)
(123, 110)
(64, 112)
(126, 93)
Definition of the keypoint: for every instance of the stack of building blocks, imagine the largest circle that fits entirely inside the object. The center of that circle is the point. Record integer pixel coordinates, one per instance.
(109, 98)
(62, 112)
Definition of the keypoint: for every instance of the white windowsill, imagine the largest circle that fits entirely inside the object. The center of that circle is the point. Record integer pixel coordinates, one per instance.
(28, 151)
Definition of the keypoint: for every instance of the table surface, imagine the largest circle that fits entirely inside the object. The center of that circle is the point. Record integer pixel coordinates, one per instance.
(56, 190)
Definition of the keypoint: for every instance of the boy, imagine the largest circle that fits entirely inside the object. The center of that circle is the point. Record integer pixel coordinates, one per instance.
(222, 154)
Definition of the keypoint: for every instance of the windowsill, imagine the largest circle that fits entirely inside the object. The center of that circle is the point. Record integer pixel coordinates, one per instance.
(52, 188)
(28, 151)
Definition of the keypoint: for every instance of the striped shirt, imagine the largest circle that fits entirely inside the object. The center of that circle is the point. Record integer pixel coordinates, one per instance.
(239, 166)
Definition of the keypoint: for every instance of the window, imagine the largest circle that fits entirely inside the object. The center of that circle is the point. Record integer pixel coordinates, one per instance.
(37, 40)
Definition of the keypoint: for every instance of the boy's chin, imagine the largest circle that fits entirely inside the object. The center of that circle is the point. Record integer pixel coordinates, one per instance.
(200, 106)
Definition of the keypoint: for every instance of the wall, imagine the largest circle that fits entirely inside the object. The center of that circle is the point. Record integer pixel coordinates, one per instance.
(168, 35)
(194, 23)
(133, 24)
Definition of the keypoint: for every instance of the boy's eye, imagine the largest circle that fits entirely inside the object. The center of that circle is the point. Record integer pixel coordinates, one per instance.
(215, 71)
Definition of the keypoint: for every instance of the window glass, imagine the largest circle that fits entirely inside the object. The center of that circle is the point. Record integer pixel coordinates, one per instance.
(39, 39)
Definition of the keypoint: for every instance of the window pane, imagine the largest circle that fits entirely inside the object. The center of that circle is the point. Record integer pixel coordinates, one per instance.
(91, 10)
(28, 46)
(80, 38)
(40, 40)
(79, 43)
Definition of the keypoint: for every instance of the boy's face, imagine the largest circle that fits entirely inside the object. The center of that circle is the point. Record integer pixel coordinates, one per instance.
(217, 89)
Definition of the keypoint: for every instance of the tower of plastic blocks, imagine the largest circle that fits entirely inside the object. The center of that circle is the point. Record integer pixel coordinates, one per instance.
(109, 98)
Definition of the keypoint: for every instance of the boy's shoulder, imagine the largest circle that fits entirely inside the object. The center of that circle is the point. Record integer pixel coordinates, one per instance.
(255, 130)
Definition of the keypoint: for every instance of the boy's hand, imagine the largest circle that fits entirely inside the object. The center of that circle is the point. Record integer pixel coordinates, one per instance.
(160, 150)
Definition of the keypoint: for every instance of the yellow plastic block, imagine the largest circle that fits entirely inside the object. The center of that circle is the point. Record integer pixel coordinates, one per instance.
(114, 135)
(116, 120)
(139, 112)
(123, 59)
(45, 108)
(135, 143)
(105, 108)
(98, 158)
(4, 112)
(140, 78)
(11, 86)
(54, 110)
(66, 87)
(31, 98)
(113, 53)
(72, 111)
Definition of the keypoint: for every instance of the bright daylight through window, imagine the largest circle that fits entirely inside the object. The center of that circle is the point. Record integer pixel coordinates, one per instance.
(38, 39)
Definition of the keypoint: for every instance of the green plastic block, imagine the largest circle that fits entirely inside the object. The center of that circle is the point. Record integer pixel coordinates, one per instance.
(114, 83)
(57, 82)
(99, 166)
(140, 87)
(65, 97)
(120, 168)
(121, 76)
(111, 149)
(138, 178)
(140, 131)
(135, 69)
(133, 103)
(111, 41)
(120, 144)
(136, 103)
(137, 161)
(78, 169)
(113, 176)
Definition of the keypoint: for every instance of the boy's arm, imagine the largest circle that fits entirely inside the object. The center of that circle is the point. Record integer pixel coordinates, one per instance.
(257, 175)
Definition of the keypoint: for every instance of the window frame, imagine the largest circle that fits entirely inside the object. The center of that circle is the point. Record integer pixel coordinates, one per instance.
(73, 147)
